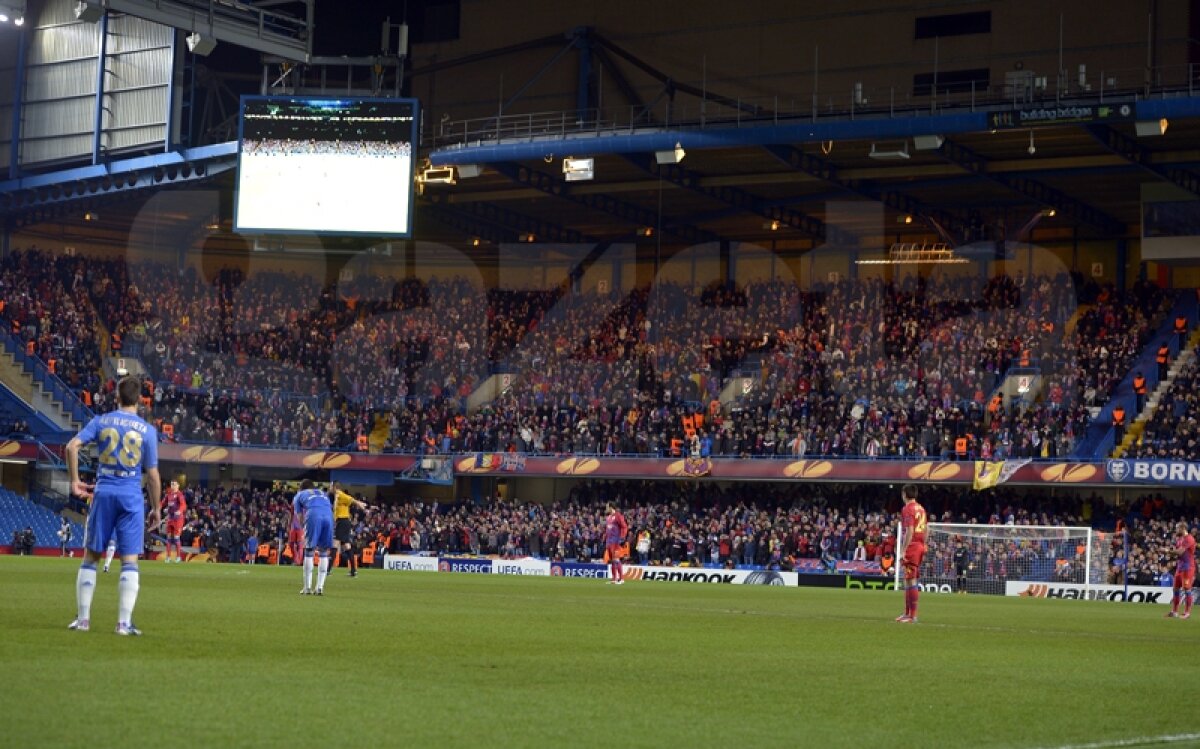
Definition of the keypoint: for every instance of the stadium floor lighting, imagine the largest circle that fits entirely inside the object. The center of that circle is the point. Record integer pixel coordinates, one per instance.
(673, 156)
(578, 170)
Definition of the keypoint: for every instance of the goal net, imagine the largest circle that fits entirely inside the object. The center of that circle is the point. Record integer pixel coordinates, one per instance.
(964, 558)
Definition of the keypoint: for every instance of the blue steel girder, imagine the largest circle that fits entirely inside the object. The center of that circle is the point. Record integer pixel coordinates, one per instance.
(733, 196)
(635, 215)
(1072, 208)
(137, 173)
(1133, 152)
(23, 201)
(517, 223)
(897, 201)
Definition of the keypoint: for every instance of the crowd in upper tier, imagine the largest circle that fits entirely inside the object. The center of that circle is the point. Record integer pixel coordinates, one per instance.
(857, 367)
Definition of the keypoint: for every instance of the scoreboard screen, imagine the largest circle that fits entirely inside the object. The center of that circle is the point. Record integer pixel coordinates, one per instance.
(326, 166)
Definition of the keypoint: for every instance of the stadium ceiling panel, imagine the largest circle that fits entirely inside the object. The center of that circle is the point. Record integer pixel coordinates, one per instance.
(259, 25)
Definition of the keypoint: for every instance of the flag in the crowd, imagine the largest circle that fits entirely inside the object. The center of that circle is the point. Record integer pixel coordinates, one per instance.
(989, 473)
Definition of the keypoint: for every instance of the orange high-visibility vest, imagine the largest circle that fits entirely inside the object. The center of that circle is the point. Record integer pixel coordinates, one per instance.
(1139, 385)
(960, 445)
(363, 444)
(1164, 354)
(1119, 416)
(1181, 324)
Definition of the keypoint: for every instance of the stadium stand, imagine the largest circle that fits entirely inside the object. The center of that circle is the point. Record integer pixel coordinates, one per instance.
(18, 513)
(856, 368)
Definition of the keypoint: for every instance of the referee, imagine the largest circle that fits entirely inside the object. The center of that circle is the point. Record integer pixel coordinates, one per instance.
(341, 524)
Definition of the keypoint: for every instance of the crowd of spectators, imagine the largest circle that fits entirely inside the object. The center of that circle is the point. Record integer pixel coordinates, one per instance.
(853, 368)
(1172, 432)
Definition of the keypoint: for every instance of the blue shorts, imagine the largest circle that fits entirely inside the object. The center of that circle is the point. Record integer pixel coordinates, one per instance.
(318, 531)
(119, 515)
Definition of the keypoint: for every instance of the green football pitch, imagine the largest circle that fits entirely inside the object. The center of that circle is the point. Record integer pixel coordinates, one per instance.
(234, 656)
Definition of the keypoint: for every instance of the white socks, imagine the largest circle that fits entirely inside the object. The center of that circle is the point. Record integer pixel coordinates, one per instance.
(85, 588)
(322, 571)
(127, 592)
(308, 568)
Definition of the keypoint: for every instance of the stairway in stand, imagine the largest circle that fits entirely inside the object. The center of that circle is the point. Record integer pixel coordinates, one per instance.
(1138, 427)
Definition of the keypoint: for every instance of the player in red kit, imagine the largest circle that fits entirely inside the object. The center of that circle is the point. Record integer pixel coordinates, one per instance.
(912, 540)
(1185, 572)
(176, 509)
(295, 539)
(615, 529)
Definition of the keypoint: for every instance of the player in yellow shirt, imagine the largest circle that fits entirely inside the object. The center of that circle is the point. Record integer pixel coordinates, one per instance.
(341, 524)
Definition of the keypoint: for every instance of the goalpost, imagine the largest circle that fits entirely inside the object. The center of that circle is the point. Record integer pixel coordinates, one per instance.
(994, 555)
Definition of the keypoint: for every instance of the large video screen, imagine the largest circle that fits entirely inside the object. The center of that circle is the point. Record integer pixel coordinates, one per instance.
(328, 166)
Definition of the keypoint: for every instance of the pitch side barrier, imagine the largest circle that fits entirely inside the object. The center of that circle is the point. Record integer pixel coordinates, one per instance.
(633, 572)
(714, 576)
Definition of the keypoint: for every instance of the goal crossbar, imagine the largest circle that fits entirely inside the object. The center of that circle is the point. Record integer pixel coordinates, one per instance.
(993, 555)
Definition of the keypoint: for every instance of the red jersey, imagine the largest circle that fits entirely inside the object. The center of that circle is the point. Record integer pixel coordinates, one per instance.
(1186, 547)
(176, 505)
(913, 519)
(615, 529)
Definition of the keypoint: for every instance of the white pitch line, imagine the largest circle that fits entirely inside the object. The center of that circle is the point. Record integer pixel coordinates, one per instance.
(1140, 741)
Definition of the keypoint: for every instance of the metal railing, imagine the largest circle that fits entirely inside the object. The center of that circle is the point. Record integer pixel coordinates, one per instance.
(49, 382)
(1125, 85)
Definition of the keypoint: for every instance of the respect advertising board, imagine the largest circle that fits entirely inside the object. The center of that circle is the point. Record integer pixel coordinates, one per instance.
(413, 563)
(1080, 592)
(578, 569)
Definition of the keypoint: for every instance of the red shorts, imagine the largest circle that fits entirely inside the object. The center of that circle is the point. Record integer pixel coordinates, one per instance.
(913, 554)
(1184, 580)
(613, 553)
(296, 536)
(174, 528)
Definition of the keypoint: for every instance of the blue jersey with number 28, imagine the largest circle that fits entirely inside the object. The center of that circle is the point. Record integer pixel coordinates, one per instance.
(125, 445)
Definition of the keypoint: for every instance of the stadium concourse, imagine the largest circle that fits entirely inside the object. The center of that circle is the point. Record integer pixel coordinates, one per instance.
(853, 368)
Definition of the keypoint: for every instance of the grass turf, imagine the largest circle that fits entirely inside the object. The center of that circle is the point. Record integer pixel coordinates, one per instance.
(233, 656)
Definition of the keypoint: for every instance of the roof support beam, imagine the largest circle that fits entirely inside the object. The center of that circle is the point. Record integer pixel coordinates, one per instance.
(1076, 210)
(732, 196)
(948, 225)
(1135, 153)
(634, 215)
(474, 218)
